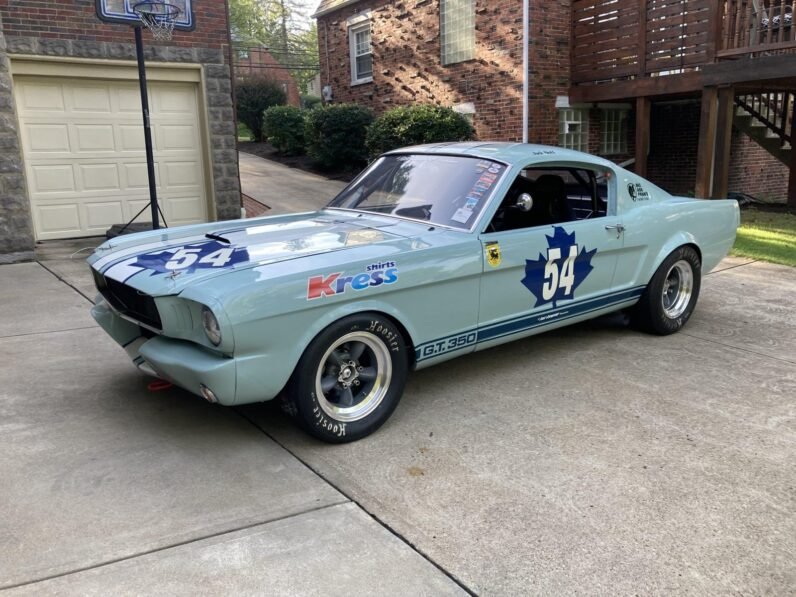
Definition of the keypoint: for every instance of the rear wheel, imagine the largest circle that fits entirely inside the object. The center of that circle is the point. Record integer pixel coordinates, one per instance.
(350, 379)
(670, 297)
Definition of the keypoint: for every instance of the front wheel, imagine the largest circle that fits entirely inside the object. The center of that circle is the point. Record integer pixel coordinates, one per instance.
(350, 379)
(670, 297)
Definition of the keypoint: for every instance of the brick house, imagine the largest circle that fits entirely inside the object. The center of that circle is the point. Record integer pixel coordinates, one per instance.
(599, 79)
(71, 143)
(259, 62)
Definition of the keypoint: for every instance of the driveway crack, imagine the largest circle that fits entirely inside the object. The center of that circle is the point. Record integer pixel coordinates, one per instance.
(353, 500)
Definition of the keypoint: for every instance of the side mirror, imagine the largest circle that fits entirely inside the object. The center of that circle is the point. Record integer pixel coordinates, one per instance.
(524, 202)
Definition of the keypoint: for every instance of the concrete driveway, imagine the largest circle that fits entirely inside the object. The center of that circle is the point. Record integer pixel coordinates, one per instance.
(592, 459)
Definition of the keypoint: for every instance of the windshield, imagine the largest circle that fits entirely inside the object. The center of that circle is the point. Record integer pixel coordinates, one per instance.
(441, 189)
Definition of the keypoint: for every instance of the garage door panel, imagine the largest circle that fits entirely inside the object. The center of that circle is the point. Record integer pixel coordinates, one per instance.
(99, 213)
(99, 177)
(94, 137)
(182, 210)
(174, 137)
(84, 153)
(58, 220)
(46, 138)
(92, 98)
(182, 174)
(131, 137)
(129, 100)
(174, 101)
(52, 178)
(41, 97)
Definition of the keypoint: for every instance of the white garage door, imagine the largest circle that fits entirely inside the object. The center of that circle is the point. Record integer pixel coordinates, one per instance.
(83, 144)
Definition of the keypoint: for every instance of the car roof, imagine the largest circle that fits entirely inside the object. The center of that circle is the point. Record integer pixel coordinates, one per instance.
(522, 154)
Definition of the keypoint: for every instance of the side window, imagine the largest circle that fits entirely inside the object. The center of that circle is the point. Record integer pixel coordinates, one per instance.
(546, 196)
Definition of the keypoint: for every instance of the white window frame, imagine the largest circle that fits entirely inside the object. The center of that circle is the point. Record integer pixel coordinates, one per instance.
(613, 130)
(447, 60)
(357, 24)
(573, 128)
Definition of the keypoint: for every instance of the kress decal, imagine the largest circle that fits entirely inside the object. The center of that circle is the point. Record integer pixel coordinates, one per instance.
(375, 274)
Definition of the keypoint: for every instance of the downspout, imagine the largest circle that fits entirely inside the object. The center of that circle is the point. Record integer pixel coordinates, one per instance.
(526, 26)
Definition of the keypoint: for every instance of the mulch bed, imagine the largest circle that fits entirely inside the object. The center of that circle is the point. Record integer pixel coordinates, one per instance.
(302, 162)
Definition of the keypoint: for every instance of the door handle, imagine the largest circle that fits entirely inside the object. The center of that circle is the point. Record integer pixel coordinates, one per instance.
(618, 227)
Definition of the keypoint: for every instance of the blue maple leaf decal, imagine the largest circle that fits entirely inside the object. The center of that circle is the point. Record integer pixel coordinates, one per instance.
(562, 277)
(189, 258)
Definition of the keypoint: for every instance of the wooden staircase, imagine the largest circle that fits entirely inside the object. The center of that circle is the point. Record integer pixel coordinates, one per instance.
(767, 118)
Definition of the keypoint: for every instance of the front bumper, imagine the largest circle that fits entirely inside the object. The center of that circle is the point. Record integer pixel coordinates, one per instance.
(183, 363)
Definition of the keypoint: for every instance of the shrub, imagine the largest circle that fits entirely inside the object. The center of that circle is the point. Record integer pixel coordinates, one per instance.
(283, 126)
(254, 95)
(310, 102)
(335, 135)
(415, 125)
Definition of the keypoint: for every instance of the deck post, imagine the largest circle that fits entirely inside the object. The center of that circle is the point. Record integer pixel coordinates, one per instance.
(792, 170)
(721, 173)
(707, 143)
(642, 135)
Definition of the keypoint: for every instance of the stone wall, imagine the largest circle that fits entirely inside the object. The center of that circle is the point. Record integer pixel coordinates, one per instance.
(32, 29)
(16, 227)
(407, 65)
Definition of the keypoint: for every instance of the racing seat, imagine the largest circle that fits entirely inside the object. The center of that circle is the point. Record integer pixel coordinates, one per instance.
(551, 192)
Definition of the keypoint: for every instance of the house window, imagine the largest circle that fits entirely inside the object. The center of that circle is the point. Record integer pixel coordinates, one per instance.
(361, 50)
(613, 132)
(457, 30)
(573, 128)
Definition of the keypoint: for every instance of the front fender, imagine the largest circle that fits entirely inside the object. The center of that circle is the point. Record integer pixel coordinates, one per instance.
(264, 372)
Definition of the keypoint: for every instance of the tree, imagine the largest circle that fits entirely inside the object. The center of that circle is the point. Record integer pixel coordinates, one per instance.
(284, 28)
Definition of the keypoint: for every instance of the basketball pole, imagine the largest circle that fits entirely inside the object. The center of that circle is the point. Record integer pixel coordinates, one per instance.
(150, 157)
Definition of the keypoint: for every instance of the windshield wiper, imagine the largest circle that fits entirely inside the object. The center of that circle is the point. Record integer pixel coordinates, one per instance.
(216, 237)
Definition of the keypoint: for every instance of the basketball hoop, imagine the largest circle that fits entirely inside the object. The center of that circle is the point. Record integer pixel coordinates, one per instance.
(158, 17)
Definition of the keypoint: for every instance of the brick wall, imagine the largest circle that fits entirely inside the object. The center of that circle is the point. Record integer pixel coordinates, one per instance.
(70, 28)
(673, 155)
(407, 67)
(674, 137)
(754, 171)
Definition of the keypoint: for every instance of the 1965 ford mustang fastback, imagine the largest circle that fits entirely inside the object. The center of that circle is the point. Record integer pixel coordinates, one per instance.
(431, 253)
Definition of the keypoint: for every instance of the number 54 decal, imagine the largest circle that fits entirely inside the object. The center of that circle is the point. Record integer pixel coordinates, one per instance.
(555, 276)
(559, 276)
(189, 258)
(185, 257)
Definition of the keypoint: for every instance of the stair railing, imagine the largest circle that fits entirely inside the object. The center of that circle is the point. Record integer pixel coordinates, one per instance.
(773, 108)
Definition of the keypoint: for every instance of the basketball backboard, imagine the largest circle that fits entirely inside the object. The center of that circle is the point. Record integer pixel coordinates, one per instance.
(121, 11)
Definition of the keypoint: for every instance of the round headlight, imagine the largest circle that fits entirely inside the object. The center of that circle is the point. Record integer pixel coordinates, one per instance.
(212, 329)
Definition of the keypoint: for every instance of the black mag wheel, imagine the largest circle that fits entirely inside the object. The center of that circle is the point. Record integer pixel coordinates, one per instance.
(671, 296)
(350, 378)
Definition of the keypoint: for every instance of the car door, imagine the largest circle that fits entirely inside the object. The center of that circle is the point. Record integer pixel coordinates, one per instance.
(541, 274)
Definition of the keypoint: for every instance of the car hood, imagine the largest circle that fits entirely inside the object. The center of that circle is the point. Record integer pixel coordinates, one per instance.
(166, 263)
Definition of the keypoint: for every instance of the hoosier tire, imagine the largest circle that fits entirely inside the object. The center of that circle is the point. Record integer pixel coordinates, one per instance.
(349, 379)
(670, 297)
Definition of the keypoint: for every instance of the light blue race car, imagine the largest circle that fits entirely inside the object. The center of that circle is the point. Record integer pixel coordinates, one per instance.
(431, 253)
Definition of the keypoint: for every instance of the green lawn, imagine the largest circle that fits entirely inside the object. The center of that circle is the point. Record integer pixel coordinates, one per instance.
(244, 134)
(768, 236)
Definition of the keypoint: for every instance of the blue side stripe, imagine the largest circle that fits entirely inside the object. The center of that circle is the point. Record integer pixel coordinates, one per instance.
(523, 323)
(556, 315)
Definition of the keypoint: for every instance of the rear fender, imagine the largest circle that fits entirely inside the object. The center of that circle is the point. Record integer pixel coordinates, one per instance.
(677, 240)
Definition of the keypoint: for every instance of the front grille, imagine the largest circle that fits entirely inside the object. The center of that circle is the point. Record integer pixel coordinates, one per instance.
(128, 301)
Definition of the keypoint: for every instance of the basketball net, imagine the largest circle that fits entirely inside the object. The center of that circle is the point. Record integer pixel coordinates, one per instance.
(158, 17)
